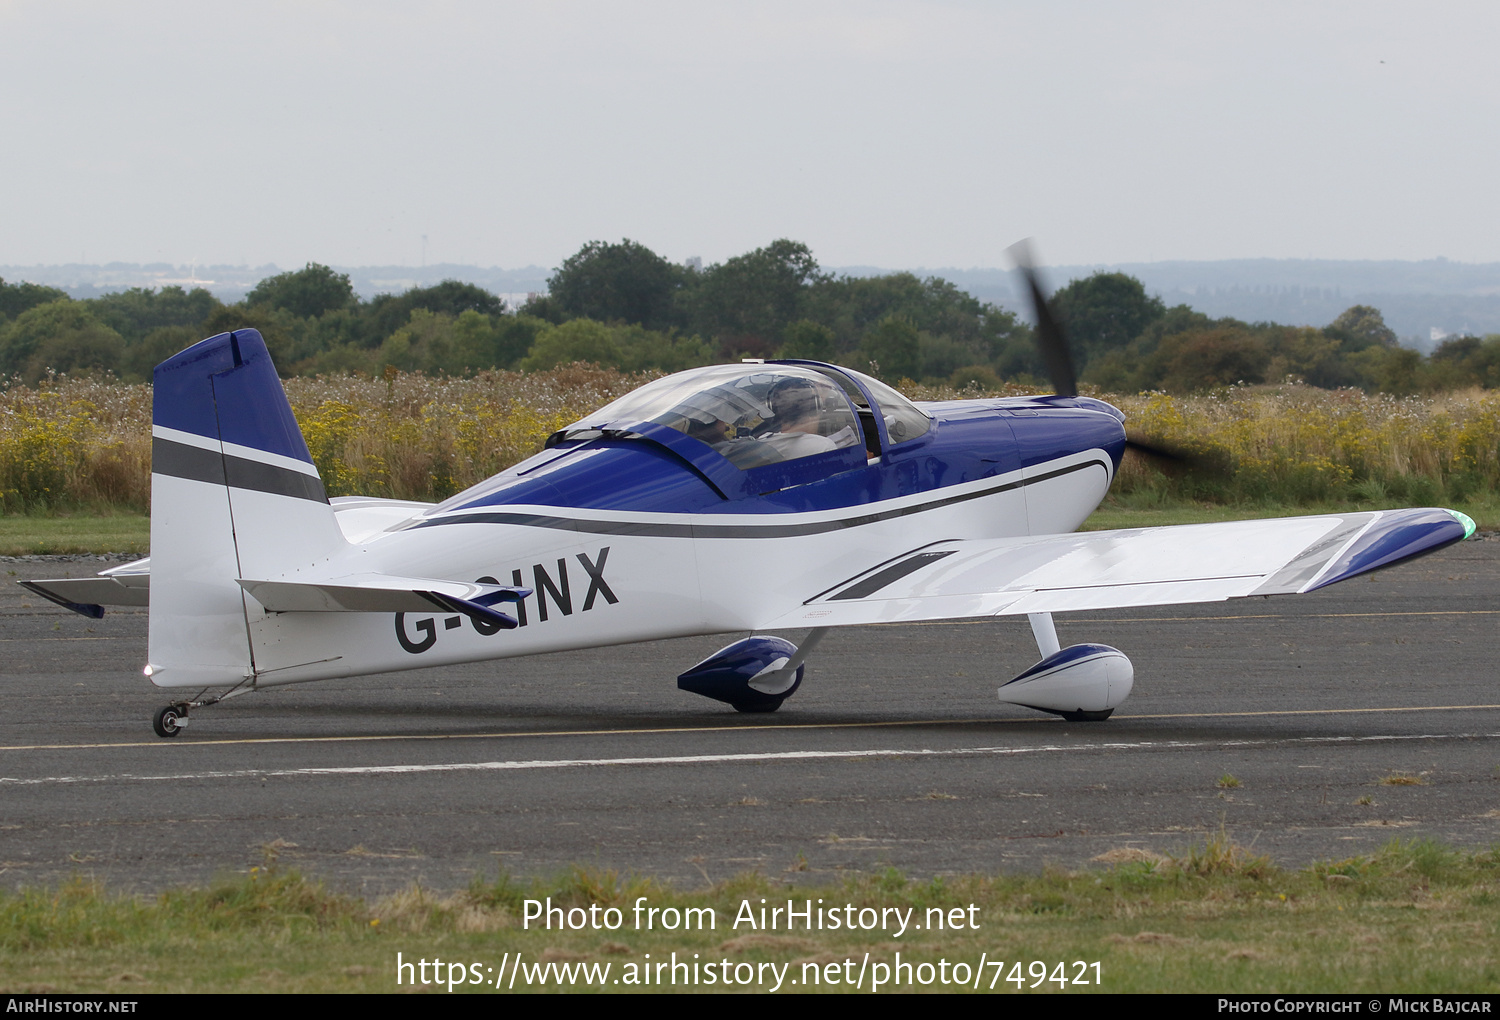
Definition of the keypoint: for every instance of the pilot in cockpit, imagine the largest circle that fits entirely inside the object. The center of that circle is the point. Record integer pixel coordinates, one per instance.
(797, 419)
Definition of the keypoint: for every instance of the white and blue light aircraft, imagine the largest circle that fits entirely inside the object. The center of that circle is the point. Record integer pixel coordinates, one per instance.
(786, 496)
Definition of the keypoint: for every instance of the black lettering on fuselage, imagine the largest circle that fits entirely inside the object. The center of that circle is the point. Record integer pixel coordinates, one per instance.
(562, 596)
(596, 579)
(545, 588)
(426, 627)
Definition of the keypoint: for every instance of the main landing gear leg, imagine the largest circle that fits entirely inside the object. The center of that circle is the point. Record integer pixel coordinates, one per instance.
(170, 720)
(1045, 632)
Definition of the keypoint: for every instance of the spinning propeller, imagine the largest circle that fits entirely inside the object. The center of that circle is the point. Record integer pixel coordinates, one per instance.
(1052, 344)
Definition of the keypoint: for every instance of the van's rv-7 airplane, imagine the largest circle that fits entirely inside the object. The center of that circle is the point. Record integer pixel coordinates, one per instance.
(765, 496)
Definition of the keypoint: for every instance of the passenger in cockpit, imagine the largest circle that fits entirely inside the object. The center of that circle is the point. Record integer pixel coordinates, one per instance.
(763, 417)
(719, 434)
(714, 431)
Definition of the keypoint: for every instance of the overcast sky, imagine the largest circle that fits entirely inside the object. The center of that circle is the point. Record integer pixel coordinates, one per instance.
(893, 134)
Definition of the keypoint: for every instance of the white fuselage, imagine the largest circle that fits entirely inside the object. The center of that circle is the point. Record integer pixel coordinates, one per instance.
(603, 577)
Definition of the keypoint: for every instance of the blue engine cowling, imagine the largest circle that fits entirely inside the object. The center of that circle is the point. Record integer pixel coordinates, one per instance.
(1081, 683)
(748, 674)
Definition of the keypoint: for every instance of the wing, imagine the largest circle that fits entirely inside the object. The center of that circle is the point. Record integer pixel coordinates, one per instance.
(1115, 569)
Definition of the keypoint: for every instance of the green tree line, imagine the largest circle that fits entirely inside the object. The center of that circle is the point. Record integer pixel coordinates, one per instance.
(624, 306)
(1128, 342)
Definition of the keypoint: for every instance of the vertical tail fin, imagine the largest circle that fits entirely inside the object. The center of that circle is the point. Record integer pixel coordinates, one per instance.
(234, 494)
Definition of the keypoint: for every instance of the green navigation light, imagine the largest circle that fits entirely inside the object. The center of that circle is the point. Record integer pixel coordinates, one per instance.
(1468, 522)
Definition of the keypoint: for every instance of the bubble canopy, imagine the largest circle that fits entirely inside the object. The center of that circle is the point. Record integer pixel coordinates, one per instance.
(757, 414)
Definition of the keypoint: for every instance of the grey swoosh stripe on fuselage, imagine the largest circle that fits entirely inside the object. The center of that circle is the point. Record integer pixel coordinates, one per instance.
(183, 461)
(890, 575)
(654, 530)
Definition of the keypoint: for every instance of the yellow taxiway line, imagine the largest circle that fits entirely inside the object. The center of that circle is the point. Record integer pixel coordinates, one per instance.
(796, 727)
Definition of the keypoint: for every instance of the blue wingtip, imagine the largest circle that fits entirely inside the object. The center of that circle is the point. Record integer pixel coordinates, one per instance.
(1398, 535)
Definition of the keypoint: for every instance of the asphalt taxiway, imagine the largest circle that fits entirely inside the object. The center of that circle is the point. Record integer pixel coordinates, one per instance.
(1306, 727)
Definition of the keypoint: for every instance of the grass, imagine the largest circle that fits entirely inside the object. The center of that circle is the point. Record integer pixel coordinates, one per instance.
(1416, 917)
(1265, 449)
(85, 444)
(23, 534)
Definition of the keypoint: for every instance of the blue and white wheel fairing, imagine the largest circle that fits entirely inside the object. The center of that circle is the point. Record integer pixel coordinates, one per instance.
(1081, 683)
(750, 675)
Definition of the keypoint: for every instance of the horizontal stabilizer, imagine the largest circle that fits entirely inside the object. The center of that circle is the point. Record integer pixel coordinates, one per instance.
(382, 593)
(1118, 569)
(127, 585)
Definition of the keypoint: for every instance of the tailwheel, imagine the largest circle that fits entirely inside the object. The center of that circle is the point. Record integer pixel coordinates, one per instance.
(169, 721)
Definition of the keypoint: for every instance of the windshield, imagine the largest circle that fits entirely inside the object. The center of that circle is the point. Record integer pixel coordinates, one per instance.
(903, 420)
(751, 414)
